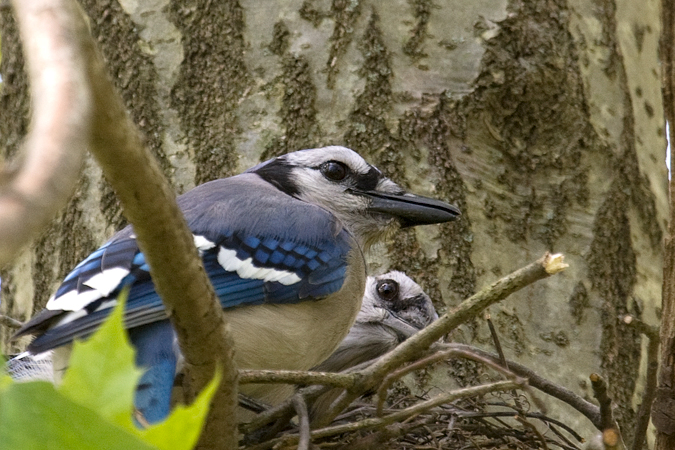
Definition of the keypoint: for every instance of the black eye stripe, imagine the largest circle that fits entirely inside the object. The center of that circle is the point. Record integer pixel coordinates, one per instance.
(368, 181)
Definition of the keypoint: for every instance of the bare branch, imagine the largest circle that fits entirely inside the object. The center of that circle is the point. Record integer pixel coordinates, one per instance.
(297, 377)
(588, 409)
(431, 359)
(600, 393)
(148, 202)
(9, 322)
(53, 40)
(644, 412)
(497, 291)
(662, 407)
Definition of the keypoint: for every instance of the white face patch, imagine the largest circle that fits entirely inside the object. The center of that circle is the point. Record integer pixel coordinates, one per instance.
(245, 269)
(317, 156)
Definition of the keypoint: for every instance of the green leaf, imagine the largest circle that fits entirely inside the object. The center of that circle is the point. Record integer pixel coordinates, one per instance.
(101, 374)
(34, 416)
(182, 428)
(92, 409)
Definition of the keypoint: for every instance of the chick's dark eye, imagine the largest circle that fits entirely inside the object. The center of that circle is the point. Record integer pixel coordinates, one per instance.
(334, 170)
(387, 289)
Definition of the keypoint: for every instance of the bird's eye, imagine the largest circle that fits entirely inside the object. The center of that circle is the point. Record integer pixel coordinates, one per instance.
(387, 289)
(334, 170)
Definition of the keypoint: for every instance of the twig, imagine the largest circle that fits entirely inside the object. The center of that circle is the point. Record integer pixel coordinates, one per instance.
(523, 421)
(301, 409)
(375, 371)
(431, 359)
(554, 430)
(611, 438)
(398, 416)
(282, 410)
(147, 199)
(297, 377)
(538, 416)
(651, 331)
(600, 393)
(502, 358)
(9, 322)
(662, 407)
(588, 409)
(644, 412)
(53, 152)
(495, 340)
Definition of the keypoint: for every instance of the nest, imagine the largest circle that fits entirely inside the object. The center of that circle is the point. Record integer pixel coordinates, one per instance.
(499, 420)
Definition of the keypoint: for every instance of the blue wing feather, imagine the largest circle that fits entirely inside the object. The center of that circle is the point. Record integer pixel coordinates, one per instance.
(315, 250)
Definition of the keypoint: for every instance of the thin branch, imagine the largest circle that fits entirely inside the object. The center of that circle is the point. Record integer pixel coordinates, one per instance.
(373, 372)
(502, 358)
(9, 322)
(431, 359)
(299, 377)
(588, 409)
(611, 439)
(149, 205)
(31, 194)
(651, 331)
(600, 393)
(497, 291)
(644, 412)
(662, 407)
(533, 415)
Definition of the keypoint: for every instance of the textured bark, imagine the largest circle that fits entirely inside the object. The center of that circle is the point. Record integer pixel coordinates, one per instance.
(663, 408)
(541, 119)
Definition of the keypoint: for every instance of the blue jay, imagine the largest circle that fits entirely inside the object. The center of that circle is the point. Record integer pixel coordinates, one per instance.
(282, 244)
(394, 308)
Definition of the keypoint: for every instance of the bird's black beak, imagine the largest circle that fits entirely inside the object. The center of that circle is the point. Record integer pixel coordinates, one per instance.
(410, 209)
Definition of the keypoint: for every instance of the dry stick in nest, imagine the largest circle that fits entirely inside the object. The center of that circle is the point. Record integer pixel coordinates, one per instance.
(303, 416)
(371, 376)
(398, 416)
(642, 419)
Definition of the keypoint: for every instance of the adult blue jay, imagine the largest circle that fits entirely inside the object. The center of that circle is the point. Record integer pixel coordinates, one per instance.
(282, 244)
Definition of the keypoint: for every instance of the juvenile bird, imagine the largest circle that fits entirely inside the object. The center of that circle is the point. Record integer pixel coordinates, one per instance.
(394, 308)
(282, 244)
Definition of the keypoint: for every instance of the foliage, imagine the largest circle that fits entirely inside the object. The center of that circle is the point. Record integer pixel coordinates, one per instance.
(91, 409)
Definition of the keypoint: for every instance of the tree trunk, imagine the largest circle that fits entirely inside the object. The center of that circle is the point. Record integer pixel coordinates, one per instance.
(542, 120)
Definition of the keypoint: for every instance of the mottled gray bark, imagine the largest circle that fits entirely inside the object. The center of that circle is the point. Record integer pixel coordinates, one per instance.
(542, 120)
